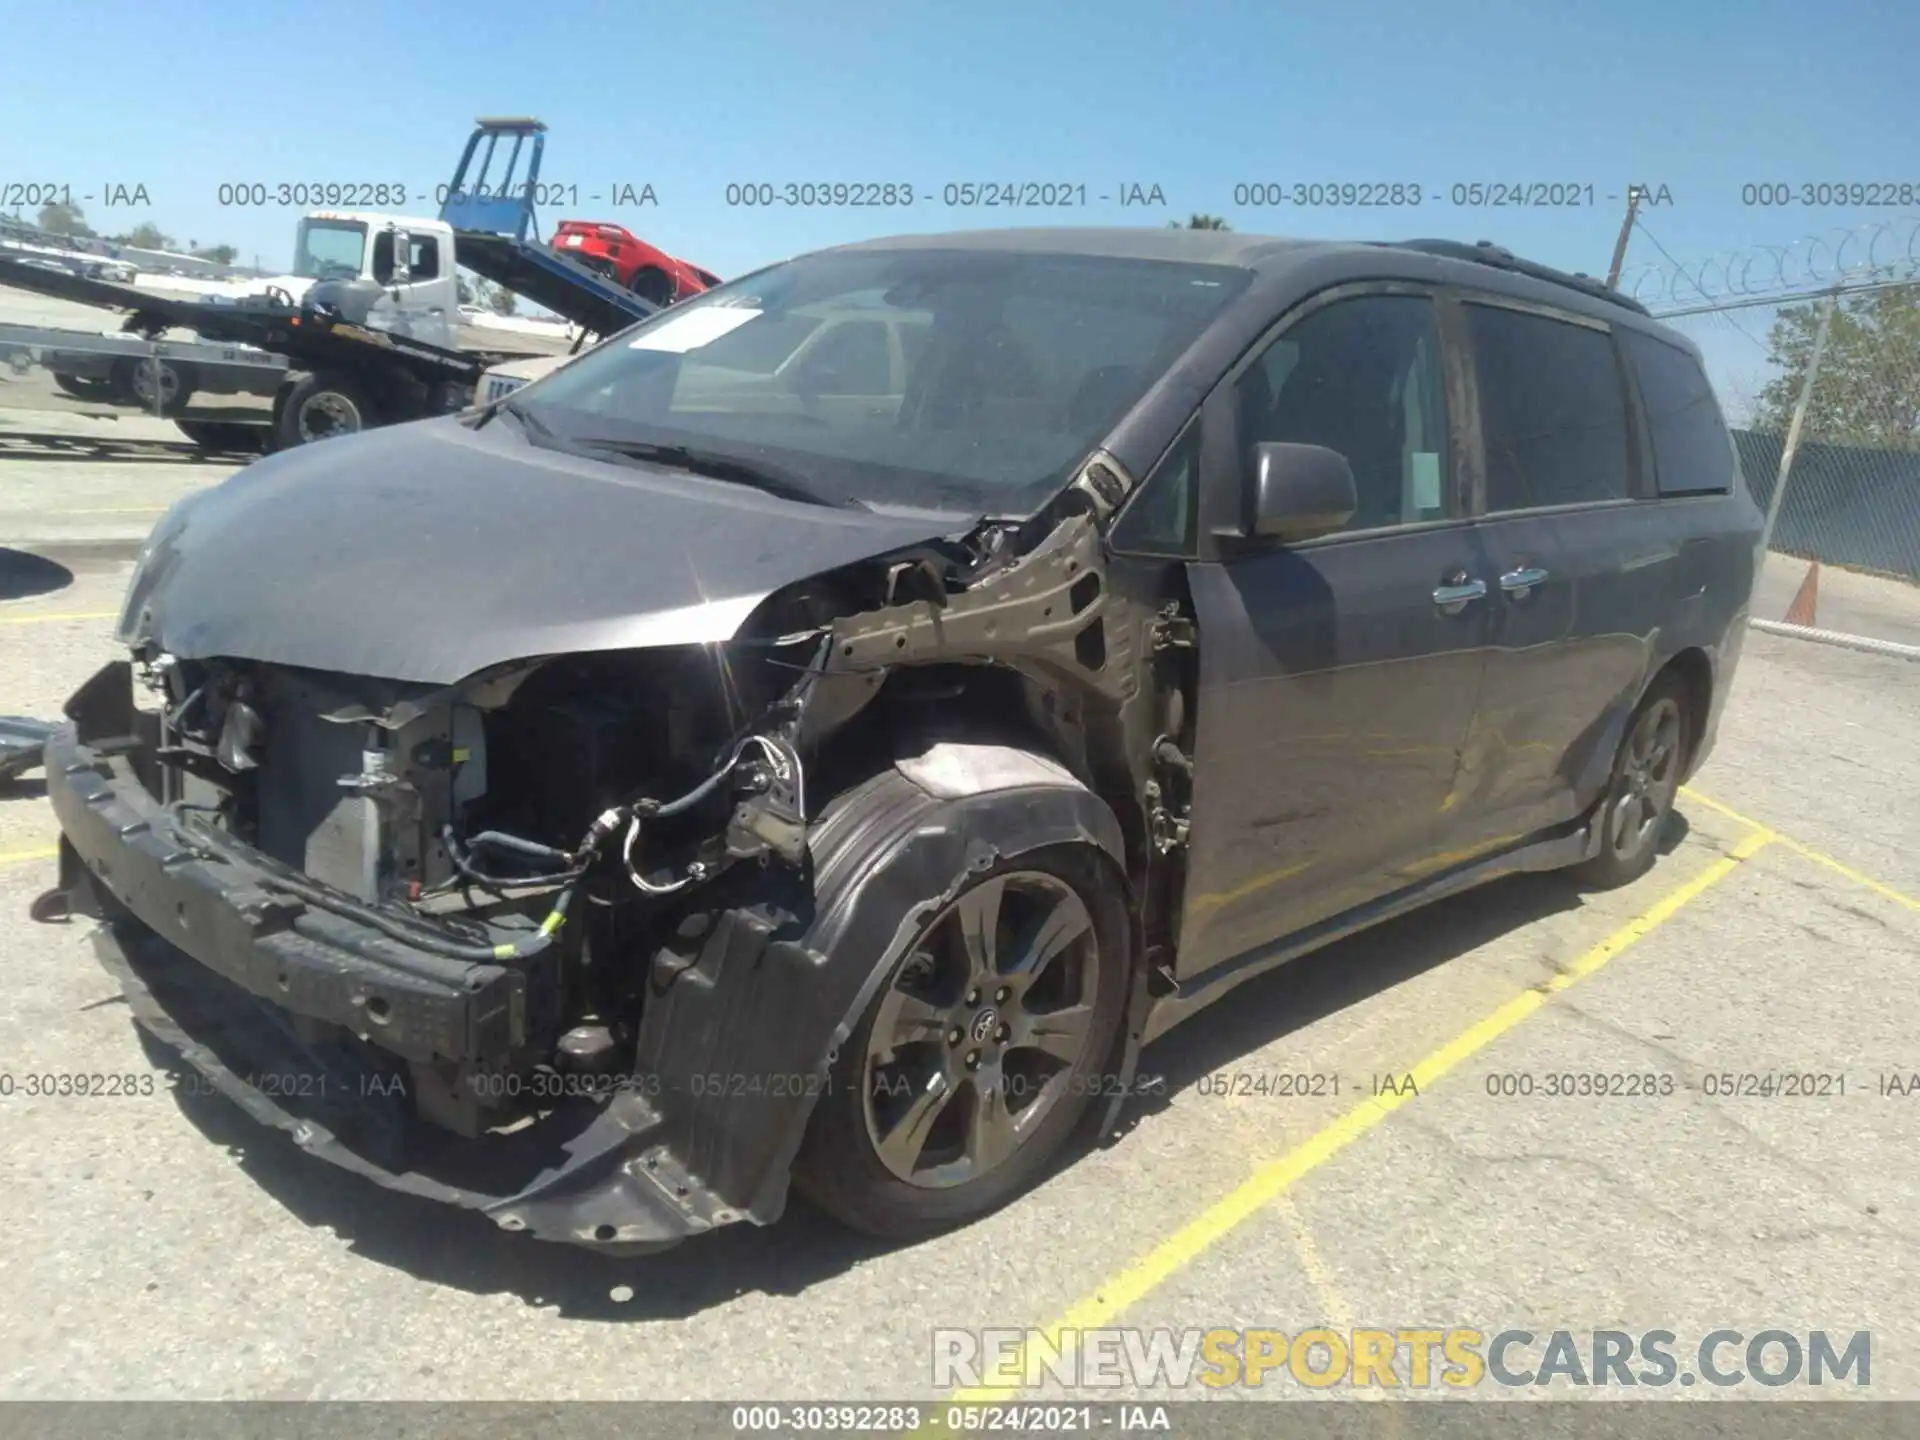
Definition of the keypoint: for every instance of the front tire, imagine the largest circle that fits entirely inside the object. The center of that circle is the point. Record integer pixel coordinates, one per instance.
(1639, 801)
(319, 407)
(981, 1052)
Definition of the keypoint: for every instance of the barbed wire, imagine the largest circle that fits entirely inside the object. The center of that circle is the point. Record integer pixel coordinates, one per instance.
(1884, 252)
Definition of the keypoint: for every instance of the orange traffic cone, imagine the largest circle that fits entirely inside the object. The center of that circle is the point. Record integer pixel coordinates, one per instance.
(1800, 612)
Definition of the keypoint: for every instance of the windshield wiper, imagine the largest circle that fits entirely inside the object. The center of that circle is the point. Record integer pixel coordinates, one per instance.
(528, 421)
(772, 479)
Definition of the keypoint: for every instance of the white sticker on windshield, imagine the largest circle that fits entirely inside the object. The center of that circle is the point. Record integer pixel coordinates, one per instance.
(1426, 480)
(693, 329)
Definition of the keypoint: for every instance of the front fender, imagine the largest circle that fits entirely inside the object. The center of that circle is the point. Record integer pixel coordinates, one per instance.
(748, 1007)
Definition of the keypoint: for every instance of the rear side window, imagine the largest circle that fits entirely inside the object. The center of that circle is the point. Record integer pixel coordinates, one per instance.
(1552, 411)
(1692, 452)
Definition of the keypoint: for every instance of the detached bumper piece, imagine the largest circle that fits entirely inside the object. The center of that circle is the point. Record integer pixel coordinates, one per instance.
(248, 984)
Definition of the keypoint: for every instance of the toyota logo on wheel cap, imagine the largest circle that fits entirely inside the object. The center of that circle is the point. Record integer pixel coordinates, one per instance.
(984, 1023)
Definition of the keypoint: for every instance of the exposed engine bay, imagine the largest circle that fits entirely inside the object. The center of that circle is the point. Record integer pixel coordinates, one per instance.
(570, 818)
(565, 803)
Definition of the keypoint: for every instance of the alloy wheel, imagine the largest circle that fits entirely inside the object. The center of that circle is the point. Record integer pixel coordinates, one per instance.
(1648, 776)
(982, 1030)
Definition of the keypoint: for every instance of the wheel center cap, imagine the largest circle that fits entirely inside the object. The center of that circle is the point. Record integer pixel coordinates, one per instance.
(985, 1023)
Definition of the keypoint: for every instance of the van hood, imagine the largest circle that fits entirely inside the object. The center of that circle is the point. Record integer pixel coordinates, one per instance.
(427, 552)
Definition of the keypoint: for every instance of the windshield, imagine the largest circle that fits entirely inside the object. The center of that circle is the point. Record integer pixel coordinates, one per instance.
(960, 380)
(330, 250)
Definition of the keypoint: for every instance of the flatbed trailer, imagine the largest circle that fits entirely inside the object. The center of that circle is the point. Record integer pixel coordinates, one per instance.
(334, 375)
(572, 291)
(219, 396)
(120, 366)
(338, 374)
(306, 333)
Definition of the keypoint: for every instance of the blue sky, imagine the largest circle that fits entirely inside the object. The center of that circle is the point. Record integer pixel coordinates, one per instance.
(1193, 97)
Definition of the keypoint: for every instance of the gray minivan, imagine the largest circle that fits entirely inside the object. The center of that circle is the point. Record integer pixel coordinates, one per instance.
(603, 807)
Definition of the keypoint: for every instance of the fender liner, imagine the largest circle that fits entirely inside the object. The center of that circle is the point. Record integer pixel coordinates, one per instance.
(747, 1011)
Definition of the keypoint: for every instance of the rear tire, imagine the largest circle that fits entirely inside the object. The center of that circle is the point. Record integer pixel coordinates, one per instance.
(1646, 777)
(898, 1153)
(653, 285)
(319, 407)
(134, 383)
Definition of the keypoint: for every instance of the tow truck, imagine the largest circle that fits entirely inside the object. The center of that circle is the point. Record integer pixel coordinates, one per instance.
(364, 333)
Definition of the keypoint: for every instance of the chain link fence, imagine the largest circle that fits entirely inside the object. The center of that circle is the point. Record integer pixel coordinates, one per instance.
(1822, 392)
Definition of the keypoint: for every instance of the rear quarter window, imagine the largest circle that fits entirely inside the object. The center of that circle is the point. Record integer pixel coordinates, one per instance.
(1553, 411)
(1692, 451)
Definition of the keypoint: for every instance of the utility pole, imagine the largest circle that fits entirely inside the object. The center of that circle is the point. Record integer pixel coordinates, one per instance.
(1800, 405)
(1620, 245)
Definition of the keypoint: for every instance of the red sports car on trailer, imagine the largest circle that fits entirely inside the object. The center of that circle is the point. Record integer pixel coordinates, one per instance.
(617, 252)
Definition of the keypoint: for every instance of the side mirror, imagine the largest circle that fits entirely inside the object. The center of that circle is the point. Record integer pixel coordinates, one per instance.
(402, 255)
(1299, 492)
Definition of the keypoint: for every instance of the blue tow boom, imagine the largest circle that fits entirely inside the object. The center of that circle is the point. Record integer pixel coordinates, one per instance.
(495, 236)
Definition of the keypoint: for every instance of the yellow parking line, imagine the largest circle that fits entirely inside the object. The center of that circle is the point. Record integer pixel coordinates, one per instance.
(21, 857)
(1334, 1308)
(1313, 1264)
(1805, 852)
(59, 615)
(1271, 1181)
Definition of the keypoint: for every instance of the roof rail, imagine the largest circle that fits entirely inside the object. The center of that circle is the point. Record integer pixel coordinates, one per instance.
(1488, 253)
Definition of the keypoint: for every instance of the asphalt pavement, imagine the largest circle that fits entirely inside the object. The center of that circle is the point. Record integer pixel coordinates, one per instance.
(1374, 1137)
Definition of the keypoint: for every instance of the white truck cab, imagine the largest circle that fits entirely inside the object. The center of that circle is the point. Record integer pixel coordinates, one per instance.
(401, 268)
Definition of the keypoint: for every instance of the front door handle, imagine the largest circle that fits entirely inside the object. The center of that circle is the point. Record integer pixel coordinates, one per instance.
(1454, 597)
(1518, 583)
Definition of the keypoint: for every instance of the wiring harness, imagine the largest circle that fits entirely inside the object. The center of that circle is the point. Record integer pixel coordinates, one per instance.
(784, 776)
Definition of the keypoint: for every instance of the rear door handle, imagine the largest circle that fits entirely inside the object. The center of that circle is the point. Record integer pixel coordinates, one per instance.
(1452, 599)
(1519, 582)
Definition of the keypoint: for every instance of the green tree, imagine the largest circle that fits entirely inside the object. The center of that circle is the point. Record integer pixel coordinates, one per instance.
(219, 254)
(485, 294)
(146, 236)
(1868, 389)
(1200, 222)
(64, 219)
